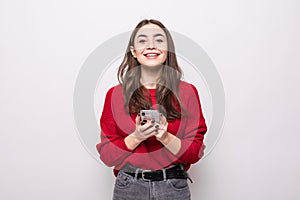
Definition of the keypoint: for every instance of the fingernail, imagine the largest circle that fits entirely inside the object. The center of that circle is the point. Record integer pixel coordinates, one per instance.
(144, 120)
(139, 114)
(152, 121)
(142, 123)
(157, 126)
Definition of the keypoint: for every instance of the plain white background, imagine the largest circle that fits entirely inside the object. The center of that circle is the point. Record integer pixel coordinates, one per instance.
(254, 45)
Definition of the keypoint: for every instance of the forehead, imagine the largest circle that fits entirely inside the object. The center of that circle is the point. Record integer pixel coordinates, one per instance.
(150, 30)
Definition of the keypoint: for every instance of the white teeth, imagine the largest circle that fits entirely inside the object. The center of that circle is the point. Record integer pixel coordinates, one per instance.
(151, 54)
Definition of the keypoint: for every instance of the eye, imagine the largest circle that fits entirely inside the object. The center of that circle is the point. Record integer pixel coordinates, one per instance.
(159, 40)
(142, 41)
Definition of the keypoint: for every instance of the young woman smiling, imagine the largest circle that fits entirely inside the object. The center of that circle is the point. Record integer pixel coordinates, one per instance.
(151, 158)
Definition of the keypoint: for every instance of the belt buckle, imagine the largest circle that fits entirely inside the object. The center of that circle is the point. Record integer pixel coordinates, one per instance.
(143, 175)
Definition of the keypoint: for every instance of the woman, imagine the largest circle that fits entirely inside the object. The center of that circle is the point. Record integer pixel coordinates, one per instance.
(151, 158)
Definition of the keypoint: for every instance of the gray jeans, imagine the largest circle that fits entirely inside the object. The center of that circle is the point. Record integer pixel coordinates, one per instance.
(129, 188)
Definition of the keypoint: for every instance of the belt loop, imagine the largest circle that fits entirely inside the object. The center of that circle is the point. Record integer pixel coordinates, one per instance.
(164, 174)
(181, 166)
(136, 173)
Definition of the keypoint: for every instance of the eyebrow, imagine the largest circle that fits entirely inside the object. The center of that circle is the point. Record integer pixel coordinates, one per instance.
(159, 34)
(156, 35)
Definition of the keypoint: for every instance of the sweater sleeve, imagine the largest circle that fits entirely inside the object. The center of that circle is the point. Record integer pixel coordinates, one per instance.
(112, 148)
(192, 145)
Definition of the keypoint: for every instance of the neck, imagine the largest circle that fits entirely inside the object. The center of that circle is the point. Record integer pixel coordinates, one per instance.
(150, 76)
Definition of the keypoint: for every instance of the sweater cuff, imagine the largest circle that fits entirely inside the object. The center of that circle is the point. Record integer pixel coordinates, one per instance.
(187, 153)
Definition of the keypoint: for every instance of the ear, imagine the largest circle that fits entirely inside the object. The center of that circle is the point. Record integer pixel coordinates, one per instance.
(132, 51)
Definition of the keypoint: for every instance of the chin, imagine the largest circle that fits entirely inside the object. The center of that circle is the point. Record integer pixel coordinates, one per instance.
(152, 65)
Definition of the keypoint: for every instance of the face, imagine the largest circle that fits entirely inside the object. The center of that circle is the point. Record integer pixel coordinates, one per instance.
(150, 45)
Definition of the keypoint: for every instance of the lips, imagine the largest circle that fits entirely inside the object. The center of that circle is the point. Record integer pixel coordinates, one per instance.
(151, 55)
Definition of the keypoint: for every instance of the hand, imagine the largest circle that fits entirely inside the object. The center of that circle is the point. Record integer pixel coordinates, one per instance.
(144, 129)
(162, 129)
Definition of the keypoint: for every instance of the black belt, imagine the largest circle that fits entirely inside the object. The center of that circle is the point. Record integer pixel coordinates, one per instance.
(176, 171)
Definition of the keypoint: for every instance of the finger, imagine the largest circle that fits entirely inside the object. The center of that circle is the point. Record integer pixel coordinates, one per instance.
(163, 119)
(151, 130)
(156, 125)
(138, 119)
(161, 126)
(144, 121)
(166, 125)
(148, 135)
(145, 126)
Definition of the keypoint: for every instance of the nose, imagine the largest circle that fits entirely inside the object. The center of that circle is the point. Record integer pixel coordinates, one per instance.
(151, 45)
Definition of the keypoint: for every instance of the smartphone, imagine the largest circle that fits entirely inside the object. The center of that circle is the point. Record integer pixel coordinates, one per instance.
(150, 115)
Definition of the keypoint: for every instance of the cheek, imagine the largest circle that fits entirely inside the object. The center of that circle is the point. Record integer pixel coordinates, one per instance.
(165, 54)
(139, 54)
(162, 46)
(140, 57)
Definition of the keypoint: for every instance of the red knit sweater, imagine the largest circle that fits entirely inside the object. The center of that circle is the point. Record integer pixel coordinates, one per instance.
(116, 124)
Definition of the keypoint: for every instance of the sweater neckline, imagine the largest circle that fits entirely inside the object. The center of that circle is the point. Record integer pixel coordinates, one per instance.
(152, 92)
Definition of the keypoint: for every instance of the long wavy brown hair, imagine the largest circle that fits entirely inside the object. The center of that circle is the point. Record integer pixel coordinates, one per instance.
(137, 97)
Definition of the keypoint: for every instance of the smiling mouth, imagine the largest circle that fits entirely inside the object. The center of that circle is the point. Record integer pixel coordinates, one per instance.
(151, 55)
